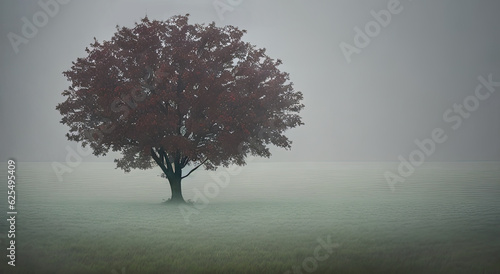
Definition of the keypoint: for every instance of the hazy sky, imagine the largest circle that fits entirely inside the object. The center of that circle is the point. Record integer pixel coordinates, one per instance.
(396, 88)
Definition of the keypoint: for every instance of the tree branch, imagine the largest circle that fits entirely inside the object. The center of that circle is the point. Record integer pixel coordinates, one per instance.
(177, 163)
(194, 169)
(184, 161)
(162, 158)
(155, 157)
(159, 161)
(167, 161)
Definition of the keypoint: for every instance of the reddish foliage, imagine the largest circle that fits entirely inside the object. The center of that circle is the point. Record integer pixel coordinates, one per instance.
(190, 93)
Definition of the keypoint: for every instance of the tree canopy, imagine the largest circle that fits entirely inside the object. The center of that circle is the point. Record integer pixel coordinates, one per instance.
(173, 93)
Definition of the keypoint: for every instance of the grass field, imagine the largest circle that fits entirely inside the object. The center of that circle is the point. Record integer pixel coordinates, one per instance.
(388, 234)
(233, 238)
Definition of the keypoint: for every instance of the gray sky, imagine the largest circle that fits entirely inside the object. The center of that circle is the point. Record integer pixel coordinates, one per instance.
(395, 89)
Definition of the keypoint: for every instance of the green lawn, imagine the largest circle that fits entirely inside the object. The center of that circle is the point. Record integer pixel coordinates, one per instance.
(267, 220)
(234, 237)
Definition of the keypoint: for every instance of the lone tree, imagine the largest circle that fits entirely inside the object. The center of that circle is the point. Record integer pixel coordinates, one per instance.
(176, 94)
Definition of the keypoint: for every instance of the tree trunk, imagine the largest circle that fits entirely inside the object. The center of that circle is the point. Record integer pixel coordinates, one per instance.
(174, 175)
(175, 187)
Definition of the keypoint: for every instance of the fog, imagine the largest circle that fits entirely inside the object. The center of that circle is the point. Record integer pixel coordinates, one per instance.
(396, 89)
(263, 218)
(402, 108)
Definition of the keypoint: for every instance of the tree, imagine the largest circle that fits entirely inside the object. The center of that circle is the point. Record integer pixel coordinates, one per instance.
(176, 94)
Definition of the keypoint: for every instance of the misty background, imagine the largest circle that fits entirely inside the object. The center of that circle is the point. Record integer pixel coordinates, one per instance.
(394, 91)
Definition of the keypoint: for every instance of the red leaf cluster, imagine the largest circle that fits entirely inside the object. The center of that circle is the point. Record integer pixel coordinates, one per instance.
(197, 93)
